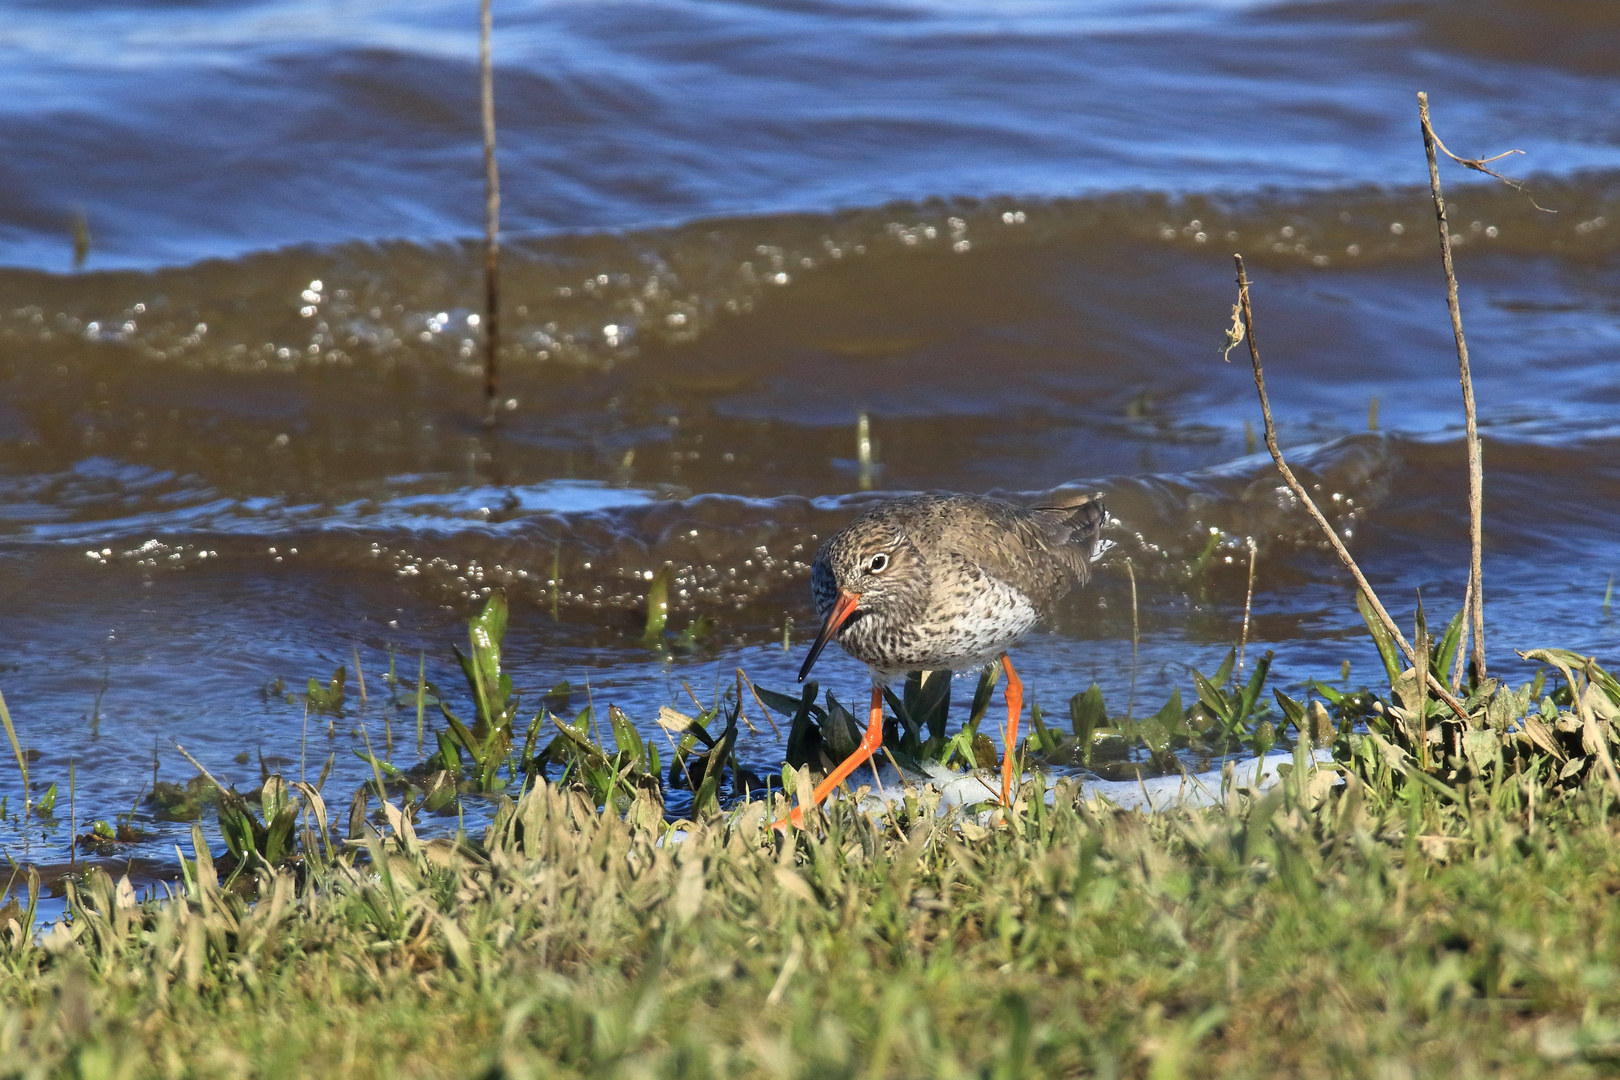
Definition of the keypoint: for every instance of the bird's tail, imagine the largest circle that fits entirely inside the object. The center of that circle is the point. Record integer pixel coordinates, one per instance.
(1084, 522)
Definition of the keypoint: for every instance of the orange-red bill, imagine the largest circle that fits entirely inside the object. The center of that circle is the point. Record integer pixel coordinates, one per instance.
(842, 609)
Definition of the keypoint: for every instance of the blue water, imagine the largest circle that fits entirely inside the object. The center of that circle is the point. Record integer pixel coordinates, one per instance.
(242, 441)
(189, 131)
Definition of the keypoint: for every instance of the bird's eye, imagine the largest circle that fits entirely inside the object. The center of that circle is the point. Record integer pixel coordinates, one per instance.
(879, 563)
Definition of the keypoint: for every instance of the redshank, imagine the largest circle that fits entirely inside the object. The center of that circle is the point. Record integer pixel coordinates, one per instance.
(945, 583)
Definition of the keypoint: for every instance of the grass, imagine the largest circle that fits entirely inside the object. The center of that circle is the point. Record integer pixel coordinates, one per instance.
(1381, 930)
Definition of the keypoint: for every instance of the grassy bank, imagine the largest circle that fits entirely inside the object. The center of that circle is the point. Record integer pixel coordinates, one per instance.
(1381, 929)
(1440, 901)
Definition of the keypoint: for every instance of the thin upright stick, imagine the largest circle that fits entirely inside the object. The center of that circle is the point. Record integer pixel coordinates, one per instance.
(1475, 599)
(1248, 602)
(1310, 505)
(1136, 639)
(763, 707)
(199, 767)
(492, 214)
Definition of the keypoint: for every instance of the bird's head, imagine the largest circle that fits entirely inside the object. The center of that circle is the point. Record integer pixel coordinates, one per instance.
(869, 570)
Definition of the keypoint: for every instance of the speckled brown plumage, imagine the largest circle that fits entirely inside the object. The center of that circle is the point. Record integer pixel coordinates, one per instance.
(945, 583)
(963, 577)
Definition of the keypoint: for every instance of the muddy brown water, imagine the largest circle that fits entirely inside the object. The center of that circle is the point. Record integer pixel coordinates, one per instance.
(242, 442)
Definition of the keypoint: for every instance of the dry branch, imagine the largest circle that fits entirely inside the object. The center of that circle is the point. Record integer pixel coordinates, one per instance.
(1474, 599)
(199, 767)
(1248, 602)
(1310, 504)
(1477, 164)
(1136, 638)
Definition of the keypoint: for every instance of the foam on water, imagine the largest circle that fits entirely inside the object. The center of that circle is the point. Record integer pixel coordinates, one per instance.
(1210, 787)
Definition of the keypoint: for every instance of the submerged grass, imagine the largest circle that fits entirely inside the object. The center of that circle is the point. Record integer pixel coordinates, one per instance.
(1377, 929)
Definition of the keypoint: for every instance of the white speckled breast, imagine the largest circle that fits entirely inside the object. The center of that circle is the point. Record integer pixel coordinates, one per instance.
(950, 582)
(975, 618)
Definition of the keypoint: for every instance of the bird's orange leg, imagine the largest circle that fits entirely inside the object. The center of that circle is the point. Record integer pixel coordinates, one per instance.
(869, 744)
(1015, 708)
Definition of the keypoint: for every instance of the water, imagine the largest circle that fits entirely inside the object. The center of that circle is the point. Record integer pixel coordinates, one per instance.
(242, 443)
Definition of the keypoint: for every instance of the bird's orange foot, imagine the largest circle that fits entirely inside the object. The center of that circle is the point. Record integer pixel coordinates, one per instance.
(794, 820)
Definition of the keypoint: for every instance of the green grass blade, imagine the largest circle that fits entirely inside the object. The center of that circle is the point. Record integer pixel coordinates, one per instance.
(1382, 639)
(16, 748)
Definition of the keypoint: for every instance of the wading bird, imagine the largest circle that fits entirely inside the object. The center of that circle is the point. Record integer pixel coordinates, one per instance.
(945, 583)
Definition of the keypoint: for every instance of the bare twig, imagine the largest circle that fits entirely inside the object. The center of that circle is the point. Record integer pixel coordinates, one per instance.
(73, 815)
(766, 708)
(492, 213)
(1478, 164)
(674, 756)
(1248, 602)
(752, 730)
(1136, 638)
(1310, 505)
(199, 767)
(1474, 599)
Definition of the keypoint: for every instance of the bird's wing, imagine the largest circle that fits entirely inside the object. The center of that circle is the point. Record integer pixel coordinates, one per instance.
(1040, 551)
(1075, 532)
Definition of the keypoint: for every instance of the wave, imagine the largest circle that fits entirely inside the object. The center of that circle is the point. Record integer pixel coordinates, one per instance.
(598, 299)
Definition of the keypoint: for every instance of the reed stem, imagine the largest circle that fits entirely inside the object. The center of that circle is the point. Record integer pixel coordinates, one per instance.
(1248, 603)
(492, 214)
(73, 815)
(1474, 600)
(1136, 640)
(1310, 504)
